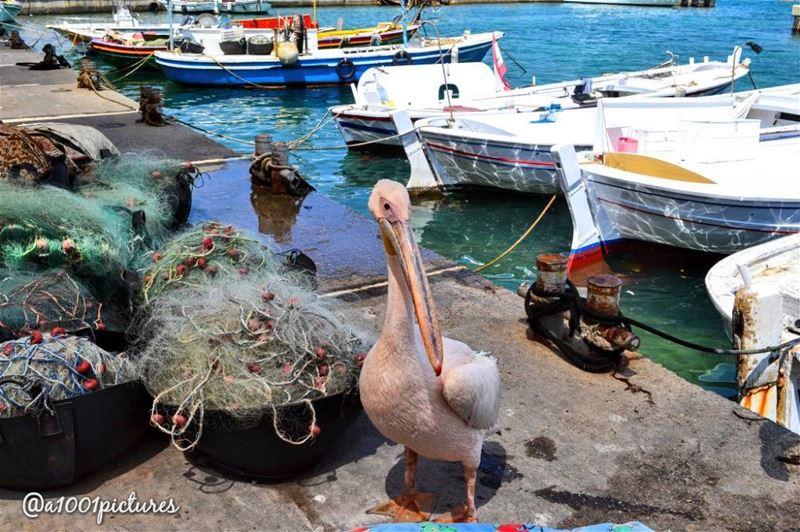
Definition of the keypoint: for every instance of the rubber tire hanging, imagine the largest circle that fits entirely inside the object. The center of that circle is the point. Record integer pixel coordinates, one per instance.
(346, 70)
(401, 58)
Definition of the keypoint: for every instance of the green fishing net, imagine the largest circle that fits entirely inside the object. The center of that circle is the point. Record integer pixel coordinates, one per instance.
(120, 208)
(46, 227)
(161, 188)
(41, 368)
(196, 256)
(246, 346)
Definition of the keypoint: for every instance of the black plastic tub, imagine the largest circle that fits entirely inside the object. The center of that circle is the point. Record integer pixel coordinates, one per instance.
(191, 47)
(259, 45)
(238, 47)
(258, 453)
(85, 435)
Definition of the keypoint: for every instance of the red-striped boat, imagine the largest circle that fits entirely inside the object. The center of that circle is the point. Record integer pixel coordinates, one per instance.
(131, 49)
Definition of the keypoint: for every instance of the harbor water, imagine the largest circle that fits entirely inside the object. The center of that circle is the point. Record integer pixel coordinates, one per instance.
(552, 42)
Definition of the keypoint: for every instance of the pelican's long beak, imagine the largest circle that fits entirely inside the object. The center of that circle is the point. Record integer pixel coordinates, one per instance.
(399, 241)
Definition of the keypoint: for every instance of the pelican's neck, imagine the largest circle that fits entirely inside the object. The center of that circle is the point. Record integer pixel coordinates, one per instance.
(399, 323)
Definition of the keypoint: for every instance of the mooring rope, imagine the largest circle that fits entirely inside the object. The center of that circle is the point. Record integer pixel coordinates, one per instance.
(522, 237)
(136, 66)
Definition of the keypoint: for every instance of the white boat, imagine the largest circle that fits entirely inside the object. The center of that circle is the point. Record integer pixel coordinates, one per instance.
(511, 151)
(776, 261)
(640, 3)
(760, 286)
(9, 9)
(463, 90)
(216, 6)
(123, 21)
(708, 184)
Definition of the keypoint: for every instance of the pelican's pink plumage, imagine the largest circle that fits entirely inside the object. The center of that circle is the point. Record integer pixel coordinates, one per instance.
(434, 395)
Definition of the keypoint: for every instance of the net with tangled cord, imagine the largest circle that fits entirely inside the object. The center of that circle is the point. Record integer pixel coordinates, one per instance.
(38, 369)
(248, 346)
(42, 300)
(196, 256)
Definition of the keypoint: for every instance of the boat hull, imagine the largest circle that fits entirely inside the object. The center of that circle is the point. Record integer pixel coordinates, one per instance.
(9, 12)
(462, 163)
(126, 55)
(633, 211)
(219, 71)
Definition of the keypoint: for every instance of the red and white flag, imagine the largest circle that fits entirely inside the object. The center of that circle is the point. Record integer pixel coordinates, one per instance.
(499, 67)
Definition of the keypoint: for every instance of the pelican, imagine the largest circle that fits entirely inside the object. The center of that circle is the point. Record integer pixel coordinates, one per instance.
(434, 395)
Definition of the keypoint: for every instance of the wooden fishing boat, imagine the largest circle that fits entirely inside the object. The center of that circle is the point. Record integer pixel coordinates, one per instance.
(9, 9)
(128, 49)
(383, 33)
(417, 90)
(310, 66)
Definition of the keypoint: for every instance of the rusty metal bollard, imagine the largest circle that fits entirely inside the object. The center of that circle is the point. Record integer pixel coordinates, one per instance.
(602, 300)
(551, 276)
(603, 295)
(150, 106)
(263, 144)
(280, 161)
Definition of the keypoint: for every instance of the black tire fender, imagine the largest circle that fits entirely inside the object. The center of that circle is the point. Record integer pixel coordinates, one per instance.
(346, 70)
(401, 58)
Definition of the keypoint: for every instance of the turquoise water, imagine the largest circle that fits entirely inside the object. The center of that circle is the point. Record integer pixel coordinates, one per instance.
(552, 42)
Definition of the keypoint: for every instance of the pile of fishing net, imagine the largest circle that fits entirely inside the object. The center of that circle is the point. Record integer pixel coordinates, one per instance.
(160, 188)
(201, 253)
(246, 346)
(46, 227)
(43, 300)
(53, 153)
(121, 208)
(38, 369)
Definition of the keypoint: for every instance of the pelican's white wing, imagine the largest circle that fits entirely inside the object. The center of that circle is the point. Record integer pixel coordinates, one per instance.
(471, 384)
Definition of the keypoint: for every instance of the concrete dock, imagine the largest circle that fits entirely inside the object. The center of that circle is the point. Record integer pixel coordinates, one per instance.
(575, 448)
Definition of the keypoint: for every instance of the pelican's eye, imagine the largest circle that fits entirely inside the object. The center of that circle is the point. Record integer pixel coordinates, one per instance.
(387, 206)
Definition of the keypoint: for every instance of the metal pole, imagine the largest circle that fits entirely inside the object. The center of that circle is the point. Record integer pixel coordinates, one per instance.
(733, 66)
(169, 19)
(405, 23)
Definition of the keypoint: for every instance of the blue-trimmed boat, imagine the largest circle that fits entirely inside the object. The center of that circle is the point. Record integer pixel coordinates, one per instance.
(314, 67)
(9, 9)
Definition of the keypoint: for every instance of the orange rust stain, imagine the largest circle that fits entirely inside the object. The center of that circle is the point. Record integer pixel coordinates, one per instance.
(760, 401)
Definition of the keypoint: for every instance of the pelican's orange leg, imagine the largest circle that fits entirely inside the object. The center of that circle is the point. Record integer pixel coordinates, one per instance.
(411, 507)
(464, 513)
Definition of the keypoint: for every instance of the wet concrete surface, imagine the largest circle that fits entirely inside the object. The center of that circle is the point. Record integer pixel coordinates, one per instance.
(347, 251)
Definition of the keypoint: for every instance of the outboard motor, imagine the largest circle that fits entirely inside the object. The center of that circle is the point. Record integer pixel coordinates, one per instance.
(583, 92)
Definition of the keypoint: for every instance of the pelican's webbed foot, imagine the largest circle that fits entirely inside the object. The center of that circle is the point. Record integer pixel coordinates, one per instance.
(409, 508)
(458, 514)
